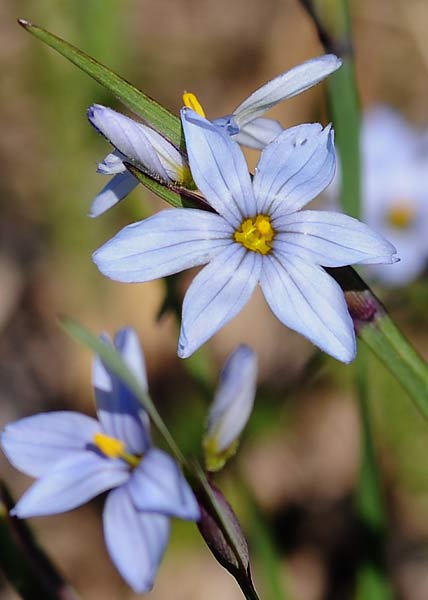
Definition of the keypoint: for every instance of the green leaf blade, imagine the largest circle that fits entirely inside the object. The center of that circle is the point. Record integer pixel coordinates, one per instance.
(153, 113)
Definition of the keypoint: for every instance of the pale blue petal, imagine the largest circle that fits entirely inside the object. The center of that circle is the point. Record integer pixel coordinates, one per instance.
(218, 168)
(34, 444)
(70, 483)
(258, 133)
(166, 243)
(119, 410)
(306, 299)
(112, 164)
(216, 295)
(135, 541)
(286, 85)
(228, 123)
(233, 401)
(157, 485)
(138, 144)
(330, 239)
(117, 188)
(127, 343)
(294, 168)
(129, 137)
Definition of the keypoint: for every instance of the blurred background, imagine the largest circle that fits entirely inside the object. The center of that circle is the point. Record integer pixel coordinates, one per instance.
(299, 459)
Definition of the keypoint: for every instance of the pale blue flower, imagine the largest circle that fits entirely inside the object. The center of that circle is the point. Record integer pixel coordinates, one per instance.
(394, 182)
(259, 234)
(248, 127)
(231, 408)
(76, 458)
(395, 191)
(139, 145)
(153, 154)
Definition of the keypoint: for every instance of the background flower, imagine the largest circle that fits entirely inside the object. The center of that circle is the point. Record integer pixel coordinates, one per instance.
(394, 191)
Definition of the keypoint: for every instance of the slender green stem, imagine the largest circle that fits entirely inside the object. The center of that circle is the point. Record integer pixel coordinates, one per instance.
(372, 583)
(345, 116)
(388, 343)
(263, 545)
(369, 500)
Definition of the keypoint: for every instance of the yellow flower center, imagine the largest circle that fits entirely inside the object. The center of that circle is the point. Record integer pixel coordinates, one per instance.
(114, 448)
(256, 234)
(191, 101)
(401, 215)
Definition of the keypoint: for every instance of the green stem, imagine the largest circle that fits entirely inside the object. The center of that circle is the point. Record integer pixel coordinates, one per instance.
(263, 544)
(372, 583)
(389, 344)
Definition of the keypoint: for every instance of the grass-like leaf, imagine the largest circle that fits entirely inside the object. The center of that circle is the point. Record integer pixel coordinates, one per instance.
(379, 332)
(151, 111)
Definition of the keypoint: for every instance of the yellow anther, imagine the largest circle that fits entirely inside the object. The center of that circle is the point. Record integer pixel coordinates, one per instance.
(191, 101)
(109, 446)
(256, 234)
(114, 448)
(401, 215)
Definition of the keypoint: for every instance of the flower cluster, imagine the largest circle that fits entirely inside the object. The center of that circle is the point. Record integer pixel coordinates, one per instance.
(255, 230)
(256, 234)
(142, 146)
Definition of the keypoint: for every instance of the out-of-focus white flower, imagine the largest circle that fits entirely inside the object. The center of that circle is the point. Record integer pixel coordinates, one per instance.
(394, 173)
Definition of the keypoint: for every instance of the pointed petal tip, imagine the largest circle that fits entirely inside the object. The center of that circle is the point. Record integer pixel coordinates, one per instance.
(182, 351)
(347, 354)
(334, 59)
(93, 110)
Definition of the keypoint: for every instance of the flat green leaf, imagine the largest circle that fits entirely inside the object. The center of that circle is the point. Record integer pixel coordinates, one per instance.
(379, 332)
(346, 119)
(151, 111)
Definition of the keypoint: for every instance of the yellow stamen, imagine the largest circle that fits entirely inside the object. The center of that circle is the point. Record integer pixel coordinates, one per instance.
(401, 215)
(191, 101)
(256, 234)
(114, 448)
